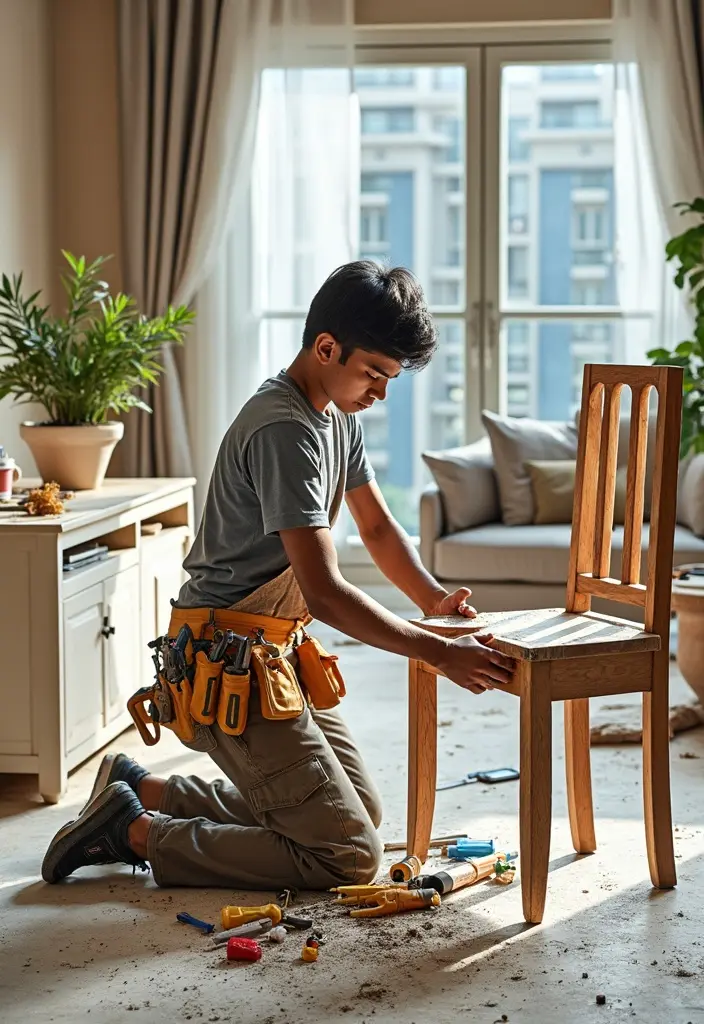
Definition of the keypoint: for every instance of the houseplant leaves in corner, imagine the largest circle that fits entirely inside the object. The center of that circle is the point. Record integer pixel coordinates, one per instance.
(82, 367)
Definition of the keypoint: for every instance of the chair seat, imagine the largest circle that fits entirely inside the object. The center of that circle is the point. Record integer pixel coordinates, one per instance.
(548, 634)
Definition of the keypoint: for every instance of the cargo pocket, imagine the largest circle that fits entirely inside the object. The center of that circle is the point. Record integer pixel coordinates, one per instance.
(290, 787)
(233, 703)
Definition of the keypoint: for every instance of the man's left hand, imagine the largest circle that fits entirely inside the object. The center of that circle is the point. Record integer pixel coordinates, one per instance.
(455, 604)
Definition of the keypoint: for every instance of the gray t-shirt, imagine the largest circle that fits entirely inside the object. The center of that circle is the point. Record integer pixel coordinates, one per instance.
(282, 464)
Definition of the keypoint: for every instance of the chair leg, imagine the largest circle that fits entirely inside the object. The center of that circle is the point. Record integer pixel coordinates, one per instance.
(535, 786)
(422, 757)
(656, 775)
(579, 775)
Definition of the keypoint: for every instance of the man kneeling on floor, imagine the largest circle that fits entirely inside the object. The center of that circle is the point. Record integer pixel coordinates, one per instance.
(297, 807)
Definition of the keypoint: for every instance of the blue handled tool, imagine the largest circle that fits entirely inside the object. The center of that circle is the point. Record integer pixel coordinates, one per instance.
(467, 848)
(185, 918)
(491, 776)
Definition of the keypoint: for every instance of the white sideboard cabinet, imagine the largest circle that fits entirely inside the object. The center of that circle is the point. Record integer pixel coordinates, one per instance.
(73, 645)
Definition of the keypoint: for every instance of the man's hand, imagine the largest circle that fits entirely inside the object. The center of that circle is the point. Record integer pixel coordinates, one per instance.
(454, 604)
(471, 662)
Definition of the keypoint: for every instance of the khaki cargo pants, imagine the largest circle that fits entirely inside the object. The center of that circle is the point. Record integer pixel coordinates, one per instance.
(299, 809)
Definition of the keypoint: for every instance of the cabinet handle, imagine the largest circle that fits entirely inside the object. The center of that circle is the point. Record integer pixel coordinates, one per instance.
(107, 629)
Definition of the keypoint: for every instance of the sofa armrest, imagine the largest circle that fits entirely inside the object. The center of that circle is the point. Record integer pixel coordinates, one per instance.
(432, 523)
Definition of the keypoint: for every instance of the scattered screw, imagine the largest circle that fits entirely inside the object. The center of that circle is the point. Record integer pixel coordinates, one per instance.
(584, 974)
(601, 1000)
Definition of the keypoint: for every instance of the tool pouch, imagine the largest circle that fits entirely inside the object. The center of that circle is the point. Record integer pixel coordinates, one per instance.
(233, 702)
(181, 695)
(206, 689)
(279, 690)
(319, 674)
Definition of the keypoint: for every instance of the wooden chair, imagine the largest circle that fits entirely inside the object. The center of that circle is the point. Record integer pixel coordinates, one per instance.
(574, 654)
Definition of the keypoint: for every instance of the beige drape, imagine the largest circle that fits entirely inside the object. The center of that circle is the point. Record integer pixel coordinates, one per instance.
(664, 38)
(188, 86)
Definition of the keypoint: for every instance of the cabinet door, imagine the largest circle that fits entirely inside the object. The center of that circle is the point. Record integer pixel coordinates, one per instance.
(162, 576)
(83, 665)
(121, 601)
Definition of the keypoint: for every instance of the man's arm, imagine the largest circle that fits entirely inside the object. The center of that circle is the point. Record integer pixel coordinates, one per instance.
(330, 598)
(391, 549)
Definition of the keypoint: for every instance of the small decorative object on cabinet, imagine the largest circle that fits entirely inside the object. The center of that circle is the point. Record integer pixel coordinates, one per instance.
(81, 368)
(82, 594)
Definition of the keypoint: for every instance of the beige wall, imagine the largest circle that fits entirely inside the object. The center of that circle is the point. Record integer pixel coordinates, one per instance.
(25, 175)
(457, 12)
(86, 183)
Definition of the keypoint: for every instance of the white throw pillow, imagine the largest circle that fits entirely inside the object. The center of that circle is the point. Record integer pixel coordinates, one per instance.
(467, 484)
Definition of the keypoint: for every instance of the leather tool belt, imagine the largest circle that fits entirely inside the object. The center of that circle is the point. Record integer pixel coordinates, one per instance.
(206, 665)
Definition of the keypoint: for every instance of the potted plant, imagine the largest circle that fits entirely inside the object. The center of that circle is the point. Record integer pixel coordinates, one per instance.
(687, 250)
(81, 368)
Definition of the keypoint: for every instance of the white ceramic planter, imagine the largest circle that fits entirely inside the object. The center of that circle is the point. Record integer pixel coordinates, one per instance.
(75, 457)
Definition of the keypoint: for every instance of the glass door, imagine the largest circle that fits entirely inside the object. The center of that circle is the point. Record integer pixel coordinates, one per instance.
(551, 302)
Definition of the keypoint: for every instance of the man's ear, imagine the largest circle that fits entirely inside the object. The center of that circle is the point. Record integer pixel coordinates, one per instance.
(326, 348)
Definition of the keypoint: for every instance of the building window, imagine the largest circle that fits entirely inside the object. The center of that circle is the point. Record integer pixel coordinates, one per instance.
(448, 79)
(587, 293)
(590, 257)
(518, 148)
(517, 204)
(518, 396)
(517, 347)
(445, 293)
(382, 120)
(374, 225)
(449, 126)
(569, 72)
(381, 78)
(590, 224)
(517, 272)
(591, 179)
(562, 114)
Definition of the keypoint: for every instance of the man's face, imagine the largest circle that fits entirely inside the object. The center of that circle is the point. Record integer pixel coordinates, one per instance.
(357, 383)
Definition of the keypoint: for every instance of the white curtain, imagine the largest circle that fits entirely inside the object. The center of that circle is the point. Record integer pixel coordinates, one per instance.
(659, 160)
(294, 214)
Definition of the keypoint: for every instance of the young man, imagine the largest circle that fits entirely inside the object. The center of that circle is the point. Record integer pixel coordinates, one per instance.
(297, 807)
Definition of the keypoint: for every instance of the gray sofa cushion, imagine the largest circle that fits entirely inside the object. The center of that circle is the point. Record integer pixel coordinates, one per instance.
(533, 554)
(467, 482)
(515, 442)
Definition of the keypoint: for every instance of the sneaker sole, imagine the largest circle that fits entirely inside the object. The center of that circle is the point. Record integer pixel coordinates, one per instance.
(102, 779)
(64, 837)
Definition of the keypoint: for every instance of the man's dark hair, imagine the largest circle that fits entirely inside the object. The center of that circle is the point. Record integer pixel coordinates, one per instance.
(375, 308)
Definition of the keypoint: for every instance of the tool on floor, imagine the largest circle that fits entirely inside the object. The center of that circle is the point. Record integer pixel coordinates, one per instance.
(286, 897)
(406, 869)
(185, 918)
(243, 949)
(393, 901)
(243, 931)
(504, 873)
(298, 923)
(465, 848)
(234, 916)
(435, 844)
(277, 934)
(309, 953)
(491, 776)
(352, 895)
(467, 872)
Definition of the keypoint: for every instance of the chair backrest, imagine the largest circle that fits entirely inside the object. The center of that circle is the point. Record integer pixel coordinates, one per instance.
(595, 487)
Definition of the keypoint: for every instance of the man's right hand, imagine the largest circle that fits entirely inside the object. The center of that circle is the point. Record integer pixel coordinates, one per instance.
(474, 665)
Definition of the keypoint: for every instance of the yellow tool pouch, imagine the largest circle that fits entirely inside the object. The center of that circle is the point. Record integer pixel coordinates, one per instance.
(206, 689)
(233, 703)
(279, 690)
(319, 674)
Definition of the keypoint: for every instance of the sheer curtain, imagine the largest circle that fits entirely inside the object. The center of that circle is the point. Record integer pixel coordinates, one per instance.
(294, 220)
(659, 157)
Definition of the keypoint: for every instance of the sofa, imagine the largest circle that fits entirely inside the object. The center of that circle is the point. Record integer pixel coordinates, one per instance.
(466, 540)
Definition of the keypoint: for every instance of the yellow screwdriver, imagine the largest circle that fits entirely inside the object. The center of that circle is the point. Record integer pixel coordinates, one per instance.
(232, 917)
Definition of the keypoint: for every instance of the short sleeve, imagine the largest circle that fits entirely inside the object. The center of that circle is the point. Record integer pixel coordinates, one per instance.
(284, 462)
(359, 468)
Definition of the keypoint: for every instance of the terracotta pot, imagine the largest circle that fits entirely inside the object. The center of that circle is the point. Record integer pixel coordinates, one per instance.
(690, 636)
(75, 457)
